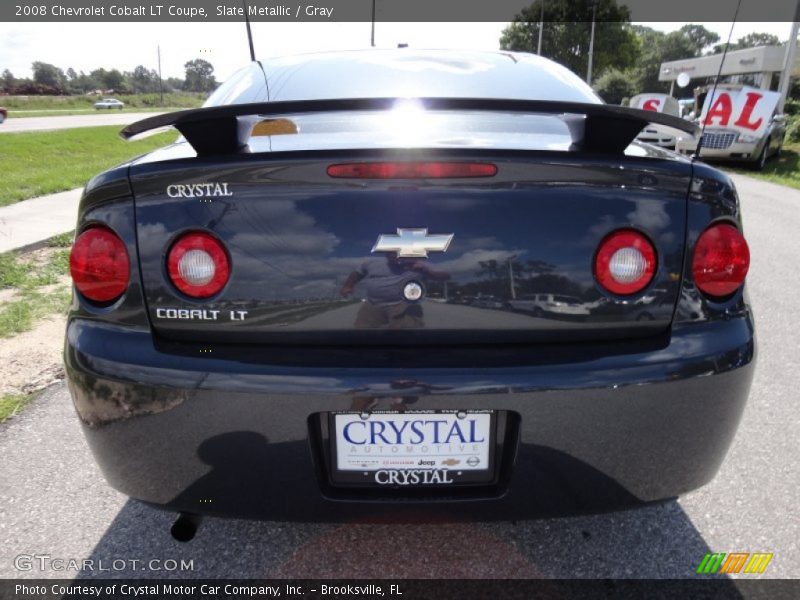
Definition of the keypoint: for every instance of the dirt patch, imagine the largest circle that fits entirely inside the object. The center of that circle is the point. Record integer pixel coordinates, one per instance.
(31, 360)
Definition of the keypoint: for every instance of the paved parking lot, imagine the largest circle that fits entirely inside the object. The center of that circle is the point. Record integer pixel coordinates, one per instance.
(54, 501)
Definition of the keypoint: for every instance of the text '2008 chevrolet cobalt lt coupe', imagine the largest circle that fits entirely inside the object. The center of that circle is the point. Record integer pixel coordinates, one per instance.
(310, 305)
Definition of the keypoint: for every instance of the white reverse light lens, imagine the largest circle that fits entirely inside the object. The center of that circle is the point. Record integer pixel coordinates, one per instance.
(627, 265)
(197, 267)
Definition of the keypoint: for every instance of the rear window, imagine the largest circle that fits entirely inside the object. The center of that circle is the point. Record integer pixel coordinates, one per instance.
(408, 126)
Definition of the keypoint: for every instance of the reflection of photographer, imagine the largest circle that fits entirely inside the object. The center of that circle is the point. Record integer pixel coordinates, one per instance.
(385, 280)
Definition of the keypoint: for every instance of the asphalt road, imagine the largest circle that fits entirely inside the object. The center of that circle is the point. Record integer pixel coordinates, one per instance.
(54, 501)
(69, 122)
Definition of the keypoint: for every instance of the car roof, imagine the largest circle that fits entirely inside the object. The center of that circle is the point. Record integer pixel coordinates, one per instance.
(402, 73)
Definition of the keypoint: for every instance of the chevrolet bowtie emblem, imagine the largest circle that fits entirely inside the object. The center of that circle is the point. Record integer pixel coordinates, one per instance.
(413, 243)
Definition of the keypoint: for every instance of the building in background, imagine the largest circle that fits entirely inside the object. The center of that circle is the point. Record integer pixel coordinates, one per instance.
(757, 67)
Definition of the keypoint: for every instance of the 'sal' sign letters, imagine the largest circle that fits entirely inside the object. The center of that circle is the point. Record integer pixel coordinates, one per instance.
(748, 110)
(654, 102)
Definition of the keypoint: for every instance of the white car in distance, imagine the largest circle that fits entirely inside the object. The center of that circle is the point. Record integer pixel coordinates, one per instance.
(109, 103)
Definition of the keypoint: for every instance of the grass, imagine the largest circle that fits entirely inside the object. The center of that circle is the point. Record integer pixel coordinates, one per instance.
(38, 287)
(38, 283)
(11, 404)
(43, 162)
(783, 169)
(67, 112)
(139, 101)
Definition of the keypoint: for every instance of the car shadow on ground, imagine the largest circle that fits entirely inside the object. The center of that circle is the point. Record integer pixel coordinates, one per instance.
(652, 542)
(657, 541)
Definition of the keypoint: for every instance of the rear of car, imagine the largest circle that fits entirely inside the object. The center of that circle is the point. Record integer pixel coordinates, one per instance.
(321, 324)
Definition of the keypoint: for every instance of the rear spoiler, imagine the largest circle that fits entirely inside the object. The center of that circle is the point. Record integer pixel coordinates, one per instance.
(601, 128)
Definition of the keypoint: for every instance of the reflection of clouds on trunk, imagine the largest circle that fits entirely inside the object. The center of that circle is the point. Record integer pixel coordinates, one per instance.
(650, 215)
(151, 238)
(470, 261)
(280, 225)
(292, 275)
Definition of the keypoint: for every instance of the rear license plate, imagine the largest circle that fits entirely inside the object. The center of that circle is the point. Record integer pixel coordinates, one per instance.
(413, 448)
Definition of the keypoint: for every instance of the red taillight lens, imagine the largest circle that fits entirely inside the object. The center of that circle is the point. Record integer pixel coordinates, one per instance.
(99, 264)
(198, 265)
(721, 260)
(411, 170)
(625, 262)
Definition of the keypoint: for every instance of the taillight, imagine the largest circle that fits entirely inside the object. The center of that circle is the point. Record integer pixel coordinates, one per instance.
(412, 170)
(721, 260)
(625, 262)
(99, 264)
(198, 265)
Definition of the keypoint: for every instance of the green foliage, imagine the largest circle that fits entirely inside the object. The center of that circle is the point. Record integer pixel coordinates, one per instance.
(7, 81)
(793, 129)
(63, 240)
(199, 76)
(784, 169)
(566, 33)
(751, 40)
(39, 287)
(12, 273)
(792, 107)
(658, 47)
(614, 86)
(137, 101)
(42, 162)
(50, 79)
(49, 75)
(10, 404)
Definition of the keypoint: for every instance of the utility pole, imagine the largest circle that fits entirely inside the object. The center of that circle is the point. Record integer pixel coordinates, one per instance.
(160, 82)
(511, 277)
(541, 27)
(591, 44)
(372, 39)
(788, 65)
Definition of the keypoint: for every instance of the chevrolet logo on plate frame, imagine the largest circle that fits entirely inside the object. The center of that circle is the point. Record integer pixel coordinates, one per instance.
(413, 243)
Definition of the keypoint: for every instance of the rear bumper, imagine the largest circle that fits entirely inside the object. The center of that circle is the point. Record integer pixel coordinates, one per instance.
(592, 431)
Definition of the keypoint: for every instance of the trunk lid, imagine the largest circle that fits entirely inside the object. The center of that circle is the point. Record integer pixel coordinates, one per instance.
(518, 267)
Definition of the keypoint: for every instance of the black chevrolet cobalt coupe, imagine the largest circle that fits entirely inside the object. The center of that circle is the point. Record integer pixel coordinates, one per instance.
(383, 283)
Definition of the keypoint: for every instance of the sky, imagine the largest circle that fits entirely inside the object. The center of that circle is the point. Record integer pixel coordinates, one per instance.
(87, 46)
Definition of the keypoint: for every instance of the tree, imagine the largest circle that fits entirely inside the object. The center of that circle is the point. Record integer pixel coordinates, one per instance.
(698, 37)
(614, 86)
(49, 75)
(199, 76)
(143, 80)
(565, 37)
(173, 83)
(751, 40)
(71, 74)
(8, 81)
(114, 80)
(689, 41)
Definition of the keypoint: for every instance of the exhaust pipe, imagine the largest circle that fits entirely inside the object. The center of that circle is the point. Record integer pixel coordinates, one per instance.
(185, 527)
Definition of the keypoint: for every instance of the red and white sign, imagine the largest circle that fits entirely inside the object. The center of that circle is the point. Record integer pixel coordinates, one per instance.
(654, 102)
(748, 110)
